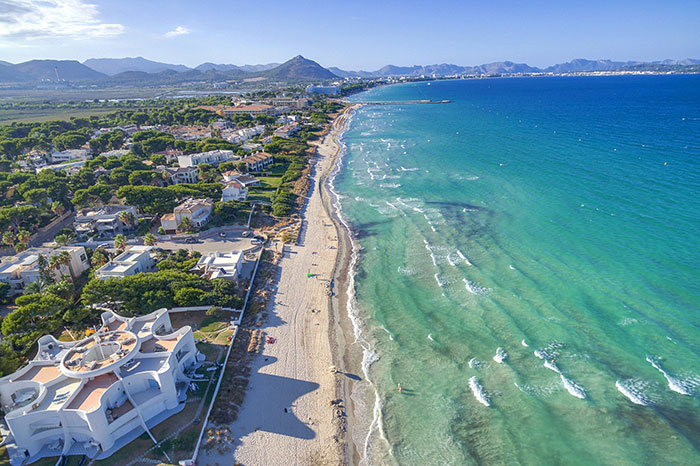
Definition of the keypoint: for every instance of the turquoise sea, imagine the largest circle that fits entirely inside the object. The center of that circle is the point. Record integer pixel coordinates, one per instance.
(528, 269)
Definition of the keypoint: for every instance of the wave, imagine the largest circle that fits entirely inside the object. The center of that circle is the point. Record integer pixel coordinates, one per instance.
(500, 356)
(466, 261)
(523, 343)
(406, 271)
(430, 337)
(478, 391)
(633, 389)
(674, 384)
(473, 288)
(440, 283)
(390, 185)
(572, 387)
(403, 169)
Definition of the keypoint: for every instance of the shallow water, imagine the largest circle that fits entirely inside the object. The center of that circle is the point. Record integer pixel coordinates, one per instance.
(528, 271)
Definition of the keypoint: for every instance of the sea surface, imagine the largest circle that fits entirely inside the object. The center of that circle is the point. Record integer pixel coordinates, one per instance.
(527, 267)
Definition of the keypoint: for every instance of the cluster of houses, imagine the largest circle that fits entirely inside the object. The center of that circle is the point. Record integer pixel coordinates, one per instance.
(105, 221)
(24, 268)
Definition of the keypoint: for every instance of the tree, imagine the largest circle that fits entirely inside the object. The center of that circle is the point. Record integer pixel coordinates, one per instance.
(9, 238)
(241, 166)
(64, 239)
(150, 240)
(57, 208)
(186, 224)
(126, 217)
(120, 242)
(99, 258)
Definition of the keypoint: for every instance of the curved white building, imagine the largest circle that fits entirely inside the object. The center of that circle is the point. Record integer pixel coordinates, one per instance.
(95, 395)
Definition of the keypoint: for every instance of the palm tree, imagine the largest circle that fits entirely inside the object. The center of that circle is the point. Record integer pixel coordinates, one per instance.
(186, 225)
(64, 239)
(120, 242)
(9, 238)
(150, 240)
(23, 236)
(57, 208)
(98, 258)
(126, 217)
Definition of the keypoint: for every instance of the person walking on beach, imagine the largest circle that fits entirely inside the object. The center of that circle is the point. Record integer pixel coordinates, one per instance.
(399, 387)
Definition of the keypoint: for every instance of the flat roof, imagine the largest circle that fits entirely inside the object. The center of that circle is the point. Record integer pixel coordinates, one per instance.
(88, 398)
(42, 374)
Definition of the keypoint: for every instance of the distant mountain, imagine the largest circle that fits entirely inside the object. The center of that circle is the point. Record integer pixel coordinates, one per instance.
(6, 63)
(224, 67)
(69, 70)
(258, 68)
(215, 67)
(112, 66)
(299, 69)
(443, 69)
(8, 74)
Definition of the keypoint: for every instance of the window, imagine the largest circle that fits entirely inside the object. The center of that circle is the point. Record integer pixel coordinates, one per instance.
(83, 258)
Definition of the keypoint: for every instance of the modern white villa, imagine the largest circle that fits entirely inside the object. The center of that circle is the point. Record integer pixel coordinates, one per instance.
(93, 396)
(136, 259)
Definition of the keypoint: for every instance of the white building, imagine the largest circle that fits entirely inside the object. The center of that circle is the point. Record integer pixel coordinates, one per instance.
(242, 135)
(93, 396)
(197, 210)
(69, 155)
(177, 175)
(71, 168)
(20, 270)
(220, 265)
(136, 259)
(325, 90)
(103, 221)
(287, 130)
(234, 191)
(118, 153)
(213, 157)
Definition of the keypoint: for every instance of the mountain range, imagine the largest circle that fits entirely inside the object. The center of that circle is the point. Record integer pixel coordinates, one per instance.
(138, 71)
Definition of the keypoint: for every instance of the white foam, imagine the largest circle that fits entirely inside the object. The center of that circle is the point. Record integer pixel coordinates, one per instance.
(466, 261)
(511, 267)
(473, 288)
(552, 366)
(403, 169)
(500, 356)
(674, 384)
(406, 271)
(572, 387)
(633, 390)
(390, 185)
(474, 363)
(478, 391)
(523, 343)
(440, 283)
(430, 337)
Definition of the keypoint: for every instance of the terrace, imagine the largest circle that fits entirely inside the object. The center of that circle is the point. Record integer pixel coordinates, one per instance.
(88, 398)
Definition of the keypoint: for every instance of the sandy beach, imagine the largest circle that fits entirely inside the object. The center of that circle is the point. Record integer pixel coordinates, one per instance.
(294, 410)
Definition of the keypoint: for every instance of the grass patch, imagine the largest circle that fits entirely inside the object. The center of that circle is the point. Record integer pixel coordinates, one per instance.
(270, 181)
(128, 452)
(210, 351)
(222, 338)
(259, 193)
(211, 324)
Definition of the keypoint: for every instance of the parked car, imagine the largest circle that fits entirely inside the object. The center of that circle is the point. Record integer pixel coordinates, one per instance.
(255, 241)
(245, 234)
(191, 240)
(222, 235)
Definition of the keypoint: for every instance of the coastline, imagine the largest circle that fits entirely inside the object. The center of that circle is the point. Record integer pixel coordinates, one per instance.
(341, 329)
(295, 408)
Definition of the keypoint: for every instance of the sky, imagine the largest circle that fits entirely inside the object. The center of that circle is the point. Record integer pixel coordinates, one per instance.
(352, 35)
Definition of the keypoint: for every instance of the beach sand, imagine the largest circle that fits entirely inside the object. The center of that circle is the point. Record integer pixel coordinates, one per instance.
(294, 411)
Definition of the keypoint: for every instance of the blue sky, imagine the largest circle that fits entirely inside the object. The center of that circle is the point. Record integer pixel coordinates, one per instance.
(356, 34)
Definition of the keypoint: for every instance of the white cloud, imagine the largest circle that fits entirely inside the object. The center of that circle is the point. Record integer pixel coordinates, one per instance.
(178, 31)
(29, 19)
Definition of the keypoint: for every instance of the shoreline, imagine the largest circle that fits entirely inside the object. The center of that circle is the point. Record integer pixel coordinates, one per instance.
(341, 330)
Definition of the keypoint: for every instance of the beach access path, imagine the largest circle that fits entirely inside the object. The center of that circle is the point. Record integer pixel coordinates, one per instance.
(287, 417)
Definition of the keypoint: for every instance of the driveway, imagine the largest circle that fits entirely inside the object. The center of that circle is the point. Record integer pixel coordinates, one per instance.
(233, 241)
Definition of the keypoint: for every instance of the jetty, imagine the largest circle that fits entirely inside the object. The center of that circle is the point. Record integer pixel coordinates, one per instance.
(404, 102)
